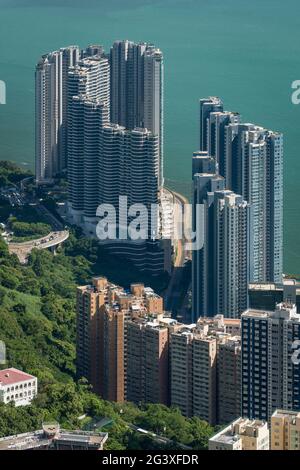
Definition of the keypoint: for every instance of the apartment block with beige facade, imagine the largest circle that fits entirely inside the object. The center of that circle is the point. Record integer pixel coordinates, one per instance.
(204, 352)
(195, 384)
(220, 324)
(242, 434)
(285, 430)
(130, 349)
(147, 368)
(181, 366)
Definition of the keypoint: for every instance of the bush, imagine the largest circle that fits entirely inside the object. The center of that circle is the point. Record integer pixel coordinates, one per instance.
(24, 229)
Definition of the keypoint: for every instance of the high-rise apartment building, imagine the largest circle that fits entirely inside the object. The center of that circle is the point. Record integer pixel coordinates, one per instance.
(100, 339)
(203, 273)
(133, 170)
(203, 163)
(122, 92)
(254, 168)
(127, 83)
(197, 382)
(147, 361)
(220, 268)
(181, 364)
(88, 112)
(90, 77)
(193, 374)
(217, 123)
(153, 100)
(229, 379)
(130, 349)
(285, 430)
(110, 348)
(133, 174)
(103, 310)
(60, 75)
(250, 158)
(204, 377)
(137, 89)
(94, 176)
(89, 299)
(207, 106)
(51, 112)
(107, 161)
(86, 118)
(270, 366)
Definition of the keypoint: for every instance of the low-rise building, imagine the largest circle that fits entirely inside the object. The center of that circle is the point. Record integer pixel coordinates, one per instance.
(51, 437)
(285, 430)
(17, 386)
(242, 434)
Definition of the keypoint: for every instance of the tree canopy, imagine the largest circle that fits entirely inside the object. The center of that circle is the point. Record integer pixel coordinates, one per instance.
(37, 324)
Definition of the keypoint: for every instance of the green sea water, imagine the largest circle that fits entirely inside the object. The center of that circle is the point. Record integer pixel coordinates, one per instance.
(247, 52)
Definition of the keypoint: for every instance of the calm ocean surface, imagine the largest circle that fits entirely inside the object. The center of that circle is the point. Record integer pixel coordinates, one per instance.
(246, 52)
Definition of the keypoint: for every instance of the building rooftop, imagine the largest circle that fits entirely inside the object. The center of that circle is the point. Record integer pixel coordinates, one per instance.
(240, 427)
(232, 321)
(271, 286)
(286, 414)
(49, 436)
(11, 376)
(256, 313)
(284, 310)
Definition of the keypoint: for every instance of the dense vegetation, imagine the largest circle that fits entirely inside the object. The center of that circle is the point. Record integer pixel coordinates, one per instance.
(37, 324)
(10, 173)
(24, 221)
(24, 231)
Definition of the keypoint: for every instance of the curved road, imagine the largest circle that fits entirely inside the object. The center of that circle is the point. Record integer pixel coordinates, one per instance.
(22, 250)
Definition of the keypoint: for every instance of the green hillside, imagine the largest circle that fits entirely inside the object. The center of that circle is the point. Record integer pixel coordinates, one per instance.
(37, 324)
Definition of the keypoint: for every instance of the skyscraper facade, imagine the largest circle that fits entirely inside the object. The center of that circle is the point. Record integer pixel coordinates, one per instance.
(207, 106)
(270, 369)
(193, 374)
(88, 111)
(100, 339)
(250, 158)
(86, 118)
(104, 315)
(51, 112)
(220, 269)
(137, 89)
(101, 117)
(229, 379)
(216, 140)
(203, 162)
(147, 361)
(254, 169)
(132, 172)
(198, 384)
